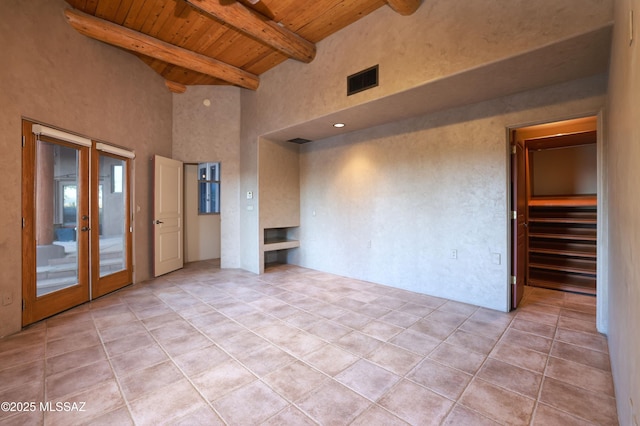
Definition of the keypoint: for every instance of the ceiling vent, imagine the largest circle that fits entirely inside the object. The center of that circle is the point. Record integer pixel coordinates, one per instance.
(362, 80)
(299, 140)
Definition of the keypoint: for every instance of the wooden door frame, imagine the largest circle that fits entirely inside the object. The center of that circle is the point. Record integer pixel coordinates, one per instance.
(35, 308)
(518, 170)
(602, 290)
(103, 285)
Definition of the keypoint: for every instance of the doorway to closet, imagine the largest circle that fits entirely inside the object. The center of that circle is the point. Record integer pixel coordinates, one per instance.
(76, 220)
(202, 211)
(557, 206)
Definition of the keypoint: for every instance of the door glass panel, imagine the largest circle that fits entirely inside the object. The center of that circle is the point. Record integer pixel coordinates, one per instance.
(56, 217)
(112, 214)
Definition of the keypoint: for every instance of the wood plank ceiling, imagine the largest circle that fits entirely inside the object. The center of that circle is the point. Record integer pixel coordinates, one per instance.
(218, 42)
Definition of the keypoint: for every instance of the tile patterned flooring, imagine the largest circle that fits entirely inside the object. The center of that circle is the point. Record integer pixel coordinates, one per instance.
(300, 347)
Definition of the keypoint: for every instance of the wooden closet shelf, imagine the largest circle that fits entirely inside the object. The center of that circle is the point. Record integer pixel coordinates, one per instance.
(558, 236)
(569, 201)
(565, 267)
(575, 280)
(564, 220)
(563, 252)
(565, 286)
(585, 249)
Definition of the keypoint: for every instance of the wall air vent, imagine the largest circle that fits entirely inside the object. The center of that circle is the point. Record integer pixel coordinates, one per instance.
(299, 140)
(362, 80)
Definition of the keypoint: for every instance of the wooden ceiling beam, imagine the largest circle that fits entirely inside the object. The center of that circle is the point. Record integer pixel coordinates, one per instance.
(175, 87)
(134, 41)
(404, 7)
(258, 27)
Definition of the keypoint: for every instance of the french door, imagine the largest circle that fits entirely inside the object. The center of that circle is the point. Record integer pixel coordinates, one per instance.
(76, 221)
(111, 235)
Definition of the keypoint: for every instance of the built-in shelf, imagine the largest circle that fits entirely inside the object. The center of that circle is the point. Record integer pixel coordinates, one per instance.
(280, 244)
(276, 243)
(562, 243)
(561, 281)
(563, 248)
(564, 201)
(567, 234)
(563, 263)
(567, 220)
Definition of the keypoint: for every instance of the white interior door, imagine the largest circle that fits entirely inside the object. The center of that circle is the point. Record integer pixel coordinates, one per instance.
(167, 215)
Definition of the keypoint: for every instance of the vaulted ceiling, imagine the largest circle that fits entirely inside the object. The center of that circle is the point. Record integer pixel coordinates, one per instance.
(218, 42)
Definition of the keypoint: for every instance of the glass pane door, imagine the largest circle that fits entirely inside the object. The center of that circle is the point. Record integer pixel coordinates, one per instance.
(111, 215)
(56, 225)
(111, 244)
(57, 221)
(76, 237)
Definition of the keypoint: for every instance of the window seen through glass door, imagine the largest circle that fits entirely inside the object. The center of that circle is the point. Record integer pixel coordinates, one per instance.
(208, 188)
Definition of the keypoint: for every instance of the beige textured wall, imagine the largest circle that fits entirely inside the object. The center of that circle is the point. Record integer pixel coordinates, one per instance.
(212, 133)
(623, 156)
(391, 202)
(54, 75)
(249, 227)
(279, 188)
(442, 38)
(564, 171)
(279, 184)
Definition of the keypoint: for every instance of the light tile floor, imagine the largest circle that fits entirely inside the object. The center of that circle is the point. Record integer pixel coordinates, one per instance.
(296, 347)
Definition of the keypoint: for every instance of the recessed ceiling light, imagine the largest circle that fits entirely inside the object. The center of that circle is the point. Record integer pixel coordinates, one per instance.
(338, 125)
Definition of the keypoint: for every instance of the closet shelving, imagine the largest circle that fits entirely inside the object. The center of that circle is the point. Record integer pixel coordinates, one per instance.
(562, 243)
